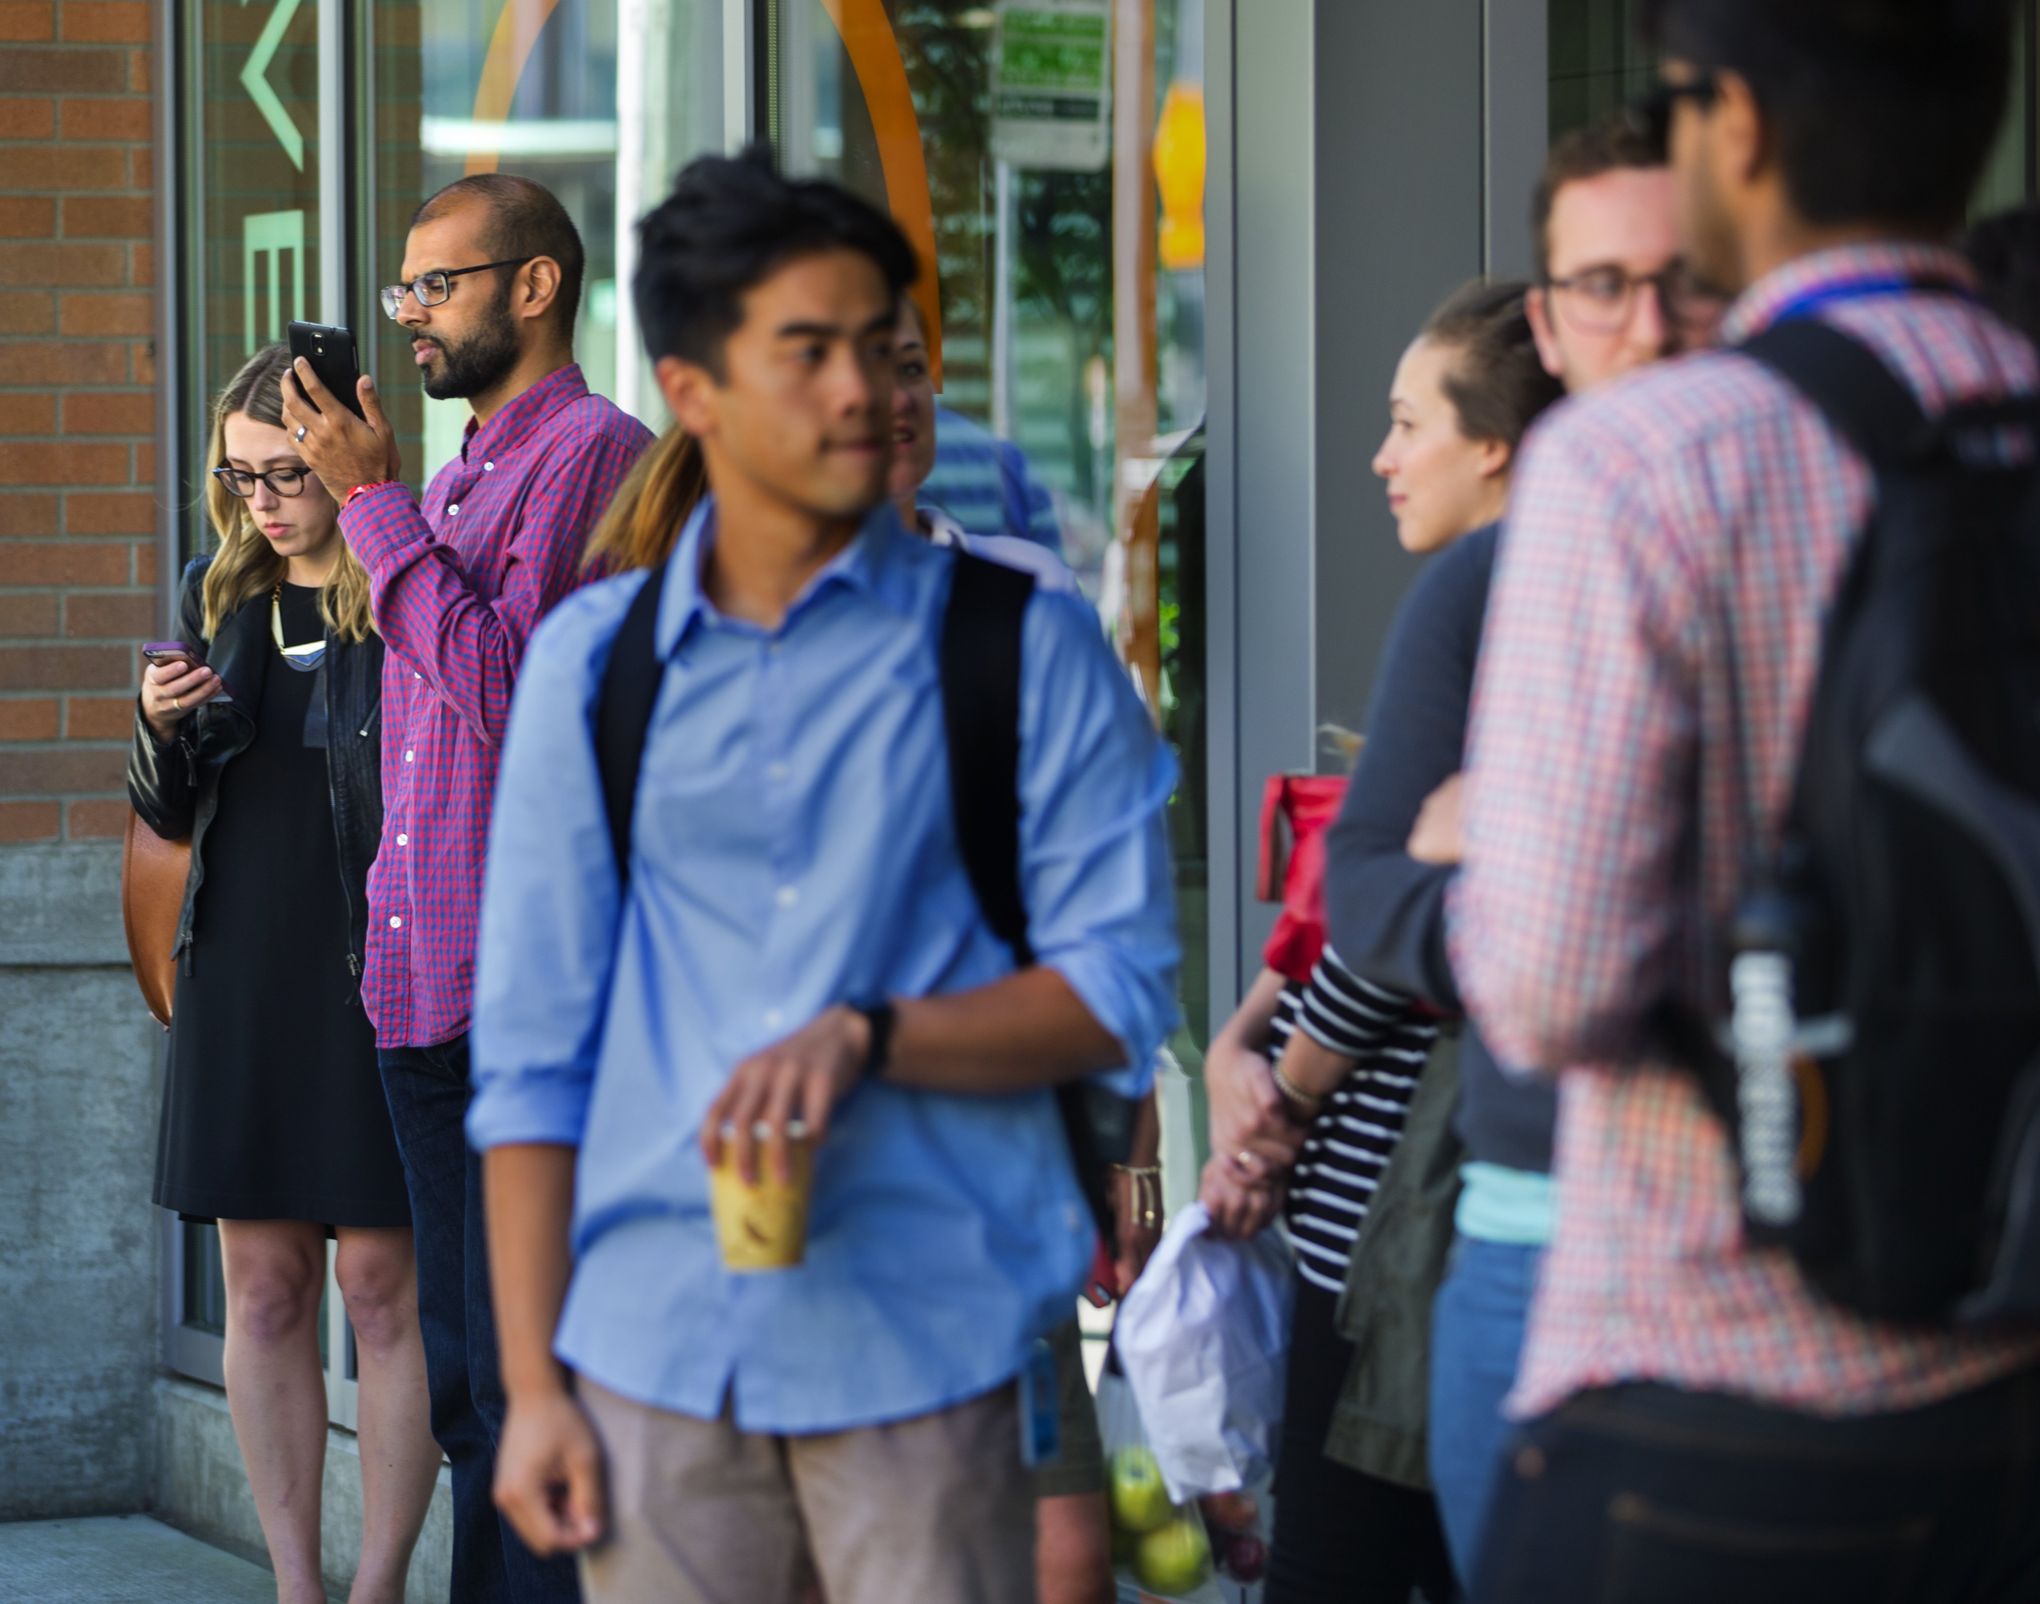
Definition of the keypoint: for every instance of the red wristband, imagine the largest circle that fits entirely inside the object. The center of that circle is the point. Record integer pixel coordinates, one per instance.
(362, 490)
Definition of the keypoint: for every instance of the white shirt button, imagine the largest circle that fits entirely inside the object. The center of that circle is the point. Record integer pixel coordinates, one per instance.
(403, 840)
(488, 467)
(772, 1018)
(788, 896)
(450, 511)
(416, 675)
(396, 923)
(409, 755)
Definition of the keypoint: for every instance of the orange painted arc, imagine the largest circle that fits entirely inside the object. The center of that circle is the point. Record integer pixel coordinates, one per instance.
(881, 72)
(518, 26)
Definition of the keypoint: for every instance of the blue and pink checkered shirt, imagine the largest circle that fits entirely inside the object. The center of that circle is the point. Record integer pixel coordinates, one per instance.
(1672, 547)
(457, 587)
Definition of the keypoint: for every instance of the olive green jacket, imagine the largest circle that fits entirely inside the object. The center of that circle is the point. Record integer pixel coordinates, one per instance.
(1379, 1424)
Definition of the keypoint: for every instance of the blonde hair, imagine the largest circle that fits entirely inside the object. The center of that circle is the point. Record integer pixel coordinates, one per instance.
(246, 565)
(652, 504)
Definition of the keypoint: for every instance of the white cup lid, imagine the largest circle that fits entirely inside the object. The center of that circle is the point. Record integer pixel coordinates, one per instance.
(762, 1131)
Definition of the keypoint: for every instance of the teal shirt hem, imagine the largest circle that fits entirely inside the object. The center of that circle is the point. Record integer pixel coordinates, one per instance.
(1498, 1204)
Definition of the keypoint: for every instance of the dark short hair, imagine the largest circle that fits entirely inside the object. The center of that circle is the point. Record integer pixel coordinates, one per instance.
(1883, 111)
(525, 219)
(2005, 251)
(1496, 382)
(730, 223)
(1613, 144)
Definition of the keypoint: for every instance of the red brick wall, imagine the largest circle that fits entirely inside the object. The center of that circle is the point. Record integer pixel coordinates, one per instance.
(77, 370)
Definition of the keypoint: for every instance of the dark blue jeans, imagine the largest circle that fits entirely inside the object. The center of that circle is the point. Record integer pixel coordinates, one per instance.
(427, 1089)
(1476, 1340)
(1646, 1494)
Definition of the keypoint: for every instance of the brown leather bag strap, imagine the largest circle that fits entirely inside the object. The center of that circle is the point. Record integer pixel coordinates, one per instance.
(153, 873)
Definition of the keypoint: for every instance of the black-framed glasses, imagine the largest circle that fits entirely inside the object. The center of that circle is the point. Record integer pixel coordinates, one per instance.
(434, 287)
(1650, 113)
(285, 482)
(1602, 300)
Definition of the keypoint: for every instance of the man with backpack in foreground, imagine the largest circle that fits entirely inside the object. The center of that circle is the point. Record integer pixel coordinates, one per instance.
(784, 927)
(1784, 1346)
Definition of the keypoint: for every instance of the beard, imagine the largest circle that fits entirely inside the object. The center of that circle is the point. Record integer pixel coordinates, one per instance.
(479, 363)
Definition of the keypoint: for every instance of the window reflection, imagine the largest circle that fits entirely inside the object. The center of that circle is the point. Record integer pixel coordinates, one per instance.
(1017, 146)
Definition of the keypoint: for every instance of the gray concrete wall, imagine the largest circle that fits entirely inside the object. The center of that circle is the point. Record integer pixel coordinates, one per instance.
(89, 1423)
(78, 1338)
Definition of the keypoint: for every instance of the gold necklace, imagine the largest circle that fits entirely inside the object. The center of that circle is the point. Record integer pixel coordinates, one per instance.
(305, 656)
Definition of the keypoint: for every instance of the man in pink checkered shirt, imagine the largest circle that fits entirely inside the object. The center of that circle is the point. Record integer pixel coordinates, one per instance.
(491, 283)
(1701, 1424)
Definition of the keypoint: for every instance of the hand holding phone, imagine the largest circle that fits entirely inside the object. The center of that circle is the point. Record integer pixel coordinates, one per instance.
(176, 683)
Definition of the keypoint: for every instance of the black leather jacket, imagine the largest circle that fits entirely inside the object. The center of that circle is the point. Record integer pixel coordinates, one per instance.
(176, 787)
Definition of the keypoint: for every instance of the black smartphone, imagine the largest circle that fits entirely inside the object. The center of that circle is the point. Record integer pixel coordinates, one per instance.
(331, 354)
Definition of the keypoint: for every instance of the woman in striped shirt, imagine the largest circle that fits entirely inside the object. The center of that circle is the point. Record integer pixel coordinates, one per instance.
(1309, 1084)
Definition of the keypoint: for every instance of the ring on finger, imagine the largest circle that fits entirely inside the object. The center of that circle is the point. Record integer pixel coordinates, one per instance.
(300, 435)
(1243, 1161)
(174, 702)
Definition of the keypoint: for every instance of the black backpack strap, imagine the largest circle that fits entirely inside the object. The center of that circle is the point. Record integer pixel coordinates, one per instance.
(1850, 383)
(980, 657)
(979, 654)
(623, 716)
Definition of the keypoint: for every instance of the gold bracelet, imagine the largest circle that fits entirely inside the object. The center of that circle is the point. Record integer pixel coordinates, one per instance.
(1295, 1094)
(1147, 1193)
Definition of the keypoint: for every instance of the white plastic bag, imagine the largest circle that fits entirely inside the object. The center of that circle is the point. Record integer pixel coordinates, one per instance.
(1203, 1337)
(1130, 1498)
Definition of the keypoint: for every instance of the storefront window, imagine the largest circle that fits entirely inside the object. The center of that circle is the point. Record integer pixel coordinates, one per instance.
(1596, 64)
(253, 255)
(1046, 159)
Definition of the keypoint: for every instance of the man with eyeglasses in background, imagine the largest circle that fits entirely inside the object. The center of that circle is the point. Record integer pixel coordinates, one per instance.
(1612, 295)
(491, 284)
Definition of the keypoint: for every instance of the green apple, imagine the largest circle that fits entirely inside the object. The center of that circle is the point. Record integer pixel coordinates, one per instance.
(1176, 1559)
(1140, 1498)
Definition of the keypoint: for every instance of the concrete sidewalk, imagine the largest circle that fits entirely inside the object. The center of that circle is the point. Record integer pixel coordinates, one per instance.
(122, 1559)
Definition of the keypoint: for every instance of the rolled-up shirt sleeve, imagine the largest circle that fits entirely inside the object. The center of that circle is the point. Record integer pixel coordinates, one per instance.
(551, 895)
(1562, 923)
(1095, 869)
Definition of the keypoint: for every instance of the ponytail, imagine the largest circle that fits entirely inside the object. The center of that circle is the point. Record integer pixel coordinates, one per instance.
(652, 505)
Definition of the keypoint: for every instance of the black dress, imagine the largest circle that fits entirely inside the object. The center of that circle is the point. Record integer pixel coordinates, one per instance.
(272, 1107)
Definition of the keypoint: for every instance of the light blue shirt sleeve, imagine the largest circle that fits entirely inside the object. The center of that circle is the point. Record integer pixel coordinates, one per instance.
(551, 893)
(1094, 789)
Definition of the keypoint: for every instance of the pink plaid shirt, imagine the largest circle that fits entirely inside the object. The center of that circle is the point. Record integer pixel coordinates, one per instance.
(457, 587)
(1673, 533)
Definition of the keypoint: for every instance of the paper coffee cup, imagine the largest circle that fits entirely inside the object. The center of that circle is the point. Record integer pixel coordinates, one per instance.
(762, 1227)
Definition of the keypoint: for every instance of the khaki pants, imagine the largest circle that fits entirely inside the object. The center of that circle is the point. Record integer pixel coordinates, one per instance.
(938, 1508)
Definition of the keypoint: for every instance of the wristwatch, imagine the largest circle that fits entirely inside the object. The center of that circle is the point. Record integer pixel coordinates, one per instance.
(878, 1017)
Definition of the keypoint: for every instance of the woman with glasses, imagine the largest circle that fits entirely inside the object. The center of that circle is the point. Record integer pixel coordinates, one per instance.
(263, 749)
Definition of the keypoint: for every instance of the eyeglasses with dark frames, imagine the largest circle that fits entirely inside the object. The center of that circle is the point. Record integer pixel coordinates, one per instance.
(285, 482)
(1602, 300)
(433, 288)
(1650, 113)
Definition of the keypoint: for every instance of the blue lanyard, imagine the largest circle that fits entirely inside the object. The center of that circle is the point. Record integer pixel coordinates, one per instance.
(1863, 289)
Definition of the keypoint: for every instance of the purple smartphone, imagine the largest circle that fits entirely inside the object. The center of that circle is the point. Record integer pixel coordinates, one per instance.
(158, 652)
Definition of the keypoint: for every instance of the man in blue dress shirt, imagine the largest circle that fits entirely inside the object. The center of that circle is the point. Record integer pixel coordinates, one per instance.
(799, 940)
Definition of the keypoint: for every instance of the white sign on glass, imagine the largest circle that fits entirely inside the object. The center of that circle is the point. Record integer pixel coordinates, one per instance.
(1052, 84)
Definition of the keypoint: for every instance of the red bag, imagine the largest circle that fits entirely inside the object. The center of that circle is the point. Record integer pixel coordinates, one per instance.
(1296, 812)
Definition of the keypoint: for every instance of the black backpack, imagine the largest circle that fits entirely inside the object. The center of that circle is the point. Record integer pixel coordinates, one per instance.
(979, 659)
(1884, 1068)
